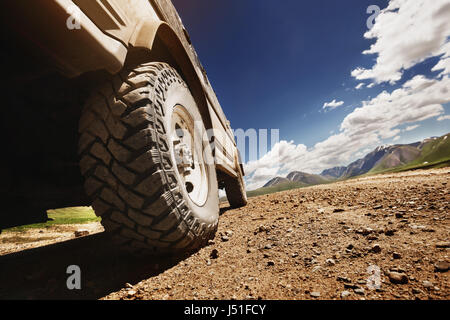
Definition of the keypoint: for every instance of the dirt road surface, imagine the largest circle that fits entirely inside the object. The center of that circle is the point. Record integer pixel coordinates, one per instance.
(381, 237)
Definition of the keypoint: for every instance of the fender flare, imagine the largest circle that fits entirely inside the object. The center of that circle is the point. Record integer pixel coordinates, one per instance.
(144, 36)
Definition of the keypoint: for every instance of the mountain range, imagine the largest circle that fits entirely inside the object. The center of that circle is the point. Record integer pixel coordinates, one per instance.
(430, 152)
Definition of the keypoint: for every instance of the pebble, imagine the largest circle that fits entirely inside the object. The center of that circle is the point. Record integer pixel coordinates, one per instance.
(365, 231)
(225, 238)
(331, 262)
(81, 233)
(359, 291)
(443, 245)
(345, 294)
(344, 279)
(416, 291)
(131, 293)
(351, 286)
(262, 228)
(315, 294)
(442, 266)
(214, 254)
(396, 255)
(398, 278)
(229, 233)
(427, 284)
(376, 248)
(316, 268)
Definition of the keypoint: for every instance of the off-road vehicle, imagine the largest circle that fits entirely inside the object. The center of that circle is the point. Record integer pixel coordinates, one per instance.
(106, 104)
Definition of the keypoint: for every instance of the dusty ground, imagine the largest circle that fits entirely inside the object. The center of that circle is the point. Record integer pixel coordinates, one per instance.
(337, 241)
(33, 238)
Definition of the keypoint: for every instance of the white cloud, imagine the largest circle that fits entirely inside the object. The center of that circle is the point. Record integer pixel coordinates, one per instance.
(411, 128)
(444, 62)
(418, 99)
(359, 86)
(272, 163)
(407, 32)
(333, 104)
(447, 117)
(396, 138)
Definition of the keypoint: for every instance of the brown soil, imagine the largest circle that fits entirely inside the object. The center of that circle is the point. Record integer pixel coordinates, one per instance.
(312, 243)
(17, 241)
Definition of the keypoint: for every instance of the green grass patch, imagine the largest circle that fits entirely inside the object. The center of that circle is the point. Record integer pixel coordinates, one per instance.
(434, 165)
(434, 154)
(75, 215)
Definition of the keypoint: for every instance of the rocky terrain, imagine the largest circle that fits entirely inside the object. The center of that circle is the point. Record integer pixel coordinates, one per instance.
(382, 237)
(378, 237)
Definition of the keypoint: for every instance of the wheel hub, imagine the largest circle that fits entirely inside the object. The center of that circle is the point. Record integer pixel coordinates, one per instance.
(183, 156)
(188, 156)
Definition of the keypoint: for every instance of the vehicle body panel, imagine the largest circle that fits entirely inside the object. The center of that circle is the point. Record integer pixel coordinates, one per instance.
(107, 30)
(108, 34)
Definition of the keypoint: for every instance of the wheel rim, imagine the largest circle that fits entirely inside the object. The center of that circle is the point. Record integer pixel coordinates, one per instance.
(188, 155)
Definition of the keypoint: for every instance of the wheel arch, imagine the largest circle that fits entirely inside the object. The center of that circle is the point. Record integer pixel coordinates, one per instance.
(148, 35)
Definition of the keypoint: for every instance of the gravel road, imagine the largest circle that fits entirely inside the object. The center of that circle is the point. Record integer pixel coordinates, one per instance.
(382, 237)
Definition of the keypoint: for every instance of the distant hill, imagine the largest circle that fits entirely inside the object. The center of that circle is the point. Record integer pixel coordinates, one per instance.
(275, 181)
(299, 178)
(396, 156)
(382, 157)
(306, 178)
(428, 153)
(434, 152)
(425, 153)
(333, 173)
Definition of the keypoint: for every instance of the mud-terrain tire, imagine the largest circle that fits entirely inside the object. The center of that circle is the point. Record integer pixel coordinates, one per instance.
(128, 161)
(235, 191)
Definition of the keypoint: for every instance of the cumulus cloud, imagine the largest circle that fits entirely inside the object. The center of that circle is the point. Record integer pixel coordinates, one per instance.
(442, 118)
(444, 63)
(407, 32)
(411, 128)
(359, 86)
(332, 105)
(272, 163)
(419, 99)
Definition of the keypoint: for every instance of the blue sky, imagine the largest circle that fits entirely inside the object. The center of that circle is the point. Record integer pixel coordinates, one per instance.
(273, 64)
